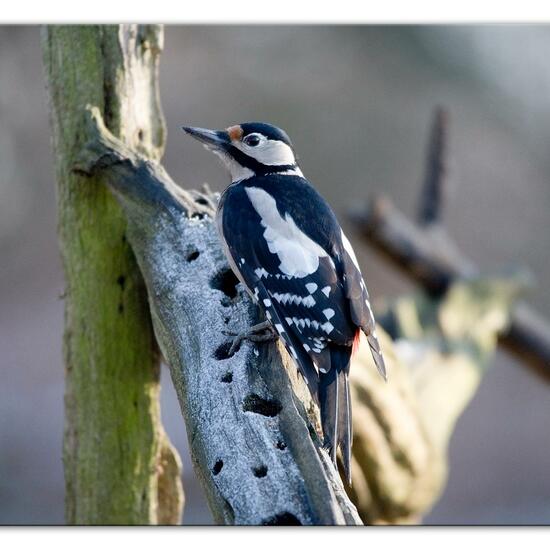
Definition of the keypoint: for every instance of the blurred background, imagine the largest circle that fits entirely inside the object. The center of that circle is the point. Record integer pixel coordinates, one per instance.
(357, 102)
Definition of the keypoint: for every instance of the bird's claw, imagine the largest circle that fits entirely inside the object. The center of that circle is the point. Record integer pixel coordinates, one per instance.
(262, 332)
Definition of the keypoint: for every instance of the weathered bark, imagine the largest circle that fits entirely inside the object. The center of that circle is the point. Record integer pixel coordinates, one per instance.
(250, 421)
(115, 449)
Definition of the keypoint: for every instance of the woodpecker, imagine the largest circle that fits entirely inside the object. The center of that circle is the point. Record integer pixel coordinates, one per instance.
(285, 245)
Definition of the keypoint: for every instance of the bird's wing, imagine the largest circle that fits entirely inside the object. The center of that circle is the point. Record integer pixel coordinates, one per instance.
(304, 261)
(359, 302)
(294, 280)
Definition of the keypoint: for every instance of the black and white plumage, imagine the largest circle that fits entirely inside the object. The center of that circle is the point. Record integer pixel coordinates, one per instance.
(286, 246)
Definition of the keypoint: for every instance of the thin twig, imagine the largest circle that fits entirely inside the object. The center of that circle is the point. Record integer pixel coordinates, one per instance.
(434, 189)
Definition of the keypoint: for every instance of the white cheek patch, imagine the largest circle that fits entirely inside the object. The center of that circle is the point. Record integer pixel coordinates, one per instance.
(298, 254)
(269, 152)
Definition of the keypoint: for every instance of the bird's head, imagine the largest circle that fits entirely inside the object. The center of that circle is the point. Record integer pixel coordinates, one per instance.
(250, 149)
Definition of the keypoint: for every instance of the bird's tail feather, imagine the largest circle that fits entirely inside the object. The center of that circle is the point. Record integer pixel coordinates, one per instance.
(345, 425)
(376, 353)
(335, 404)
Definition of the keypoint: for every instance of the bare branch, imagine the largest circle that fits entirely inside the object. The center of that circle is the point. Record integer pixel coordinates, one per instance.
(427, 254)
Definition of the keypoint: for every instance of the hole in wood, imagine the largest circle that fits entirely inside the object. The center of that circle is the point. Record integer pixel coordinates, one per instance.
(227, 378)
(256, 404)
(225, 281)
(260, 471)
(285, 518)
(201, 200)
(121, 281)
(217, 467)
(222, 351)
(192, 255)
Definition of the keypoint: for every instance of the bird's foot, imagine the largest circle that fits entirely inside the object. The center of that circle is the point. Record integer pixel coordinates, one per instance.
(262, 332)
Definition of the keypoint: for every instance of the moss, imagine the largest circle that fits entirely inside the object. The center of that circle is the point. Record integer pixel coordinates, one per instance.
(112, 426)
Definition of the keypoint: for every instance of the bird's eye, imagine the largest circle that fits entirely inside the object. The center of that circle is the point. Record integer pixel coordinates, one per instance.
(252, 140)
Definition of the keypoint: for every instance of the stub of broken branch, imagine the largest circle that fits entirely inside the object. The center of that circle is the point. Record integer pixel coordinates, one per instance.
(434, 188)
(250, 422)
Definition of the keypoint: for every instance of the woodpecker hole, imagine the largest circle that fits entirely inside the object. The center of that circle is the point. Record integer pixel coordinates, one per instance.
(281, 445)
(285, 518)
(192, 255)
(225, 281)
(227, 378)
(266, 407)
(121, 281)
(222, 351)
(217, 467)
(260, 471)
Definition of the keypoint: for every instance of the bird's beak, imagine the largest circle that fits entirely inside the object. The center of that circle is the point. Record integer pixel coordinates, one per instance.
(214, 139)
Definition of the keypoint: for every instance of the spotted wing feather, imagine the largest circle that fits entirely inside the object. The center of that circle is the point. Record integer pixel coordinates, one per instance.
(359, 301)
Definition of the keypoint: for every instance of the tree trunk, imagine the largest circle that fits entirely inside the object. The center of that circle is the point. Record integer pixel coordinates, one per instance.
(117, 458)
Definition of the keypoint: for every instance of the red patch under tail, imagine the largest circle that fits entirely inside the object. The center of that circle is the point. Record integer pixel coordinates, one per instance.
(355, 345)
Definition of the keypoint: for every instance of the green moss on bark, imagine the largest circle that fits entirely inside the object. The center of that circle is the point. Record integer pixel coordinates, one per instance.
(113, 435)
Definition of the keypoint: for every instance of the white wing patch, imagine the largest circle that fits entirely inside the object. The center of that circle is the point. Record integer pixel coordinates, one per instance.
(298, 254)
